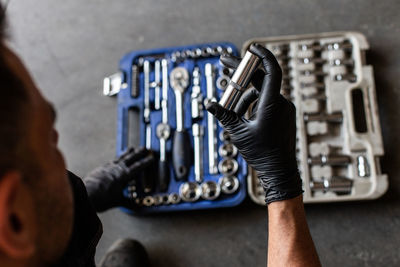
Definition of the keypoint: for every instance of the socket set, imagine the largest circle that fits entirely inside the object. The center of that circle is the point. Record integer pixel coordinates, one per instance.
(162, 94)
(161, 98)
(339, 139)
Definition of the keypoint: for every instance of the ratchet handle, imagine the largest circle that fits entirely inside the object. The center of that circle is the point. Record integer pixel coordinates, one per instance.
(163, 176)
(182, 154)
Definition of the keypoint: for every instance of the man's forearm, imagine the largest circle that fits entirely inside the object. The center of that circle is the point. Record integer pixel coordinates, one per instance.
(289, 239)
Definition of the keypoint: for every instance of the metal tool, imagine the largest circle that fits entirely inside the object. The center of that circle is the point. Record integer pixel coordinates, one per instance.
(229, 184)
(228, 166)
(211, 122)
(210, 190)
(330, 46)
(174, 198)
(196, 96)
(335, 184)
(148, 201)
(113, 84)
(363, 167)
(198, 134)
(165, 200)
(203, 52)
(181, 150)
(157, 88)
(333, 117)
(227, 150)
(158, 200)
(224, 136)
(222, 82)
(225, 72)
(197, 128)
(135, 81)
(337, 160)
(240, 80)
(348, 76)
(190, 191)
(146, 112)
(163, 132)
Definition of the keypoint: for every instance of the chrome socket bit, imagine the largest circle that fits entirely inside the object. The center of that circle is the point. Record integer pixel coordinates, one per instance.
(335, 184)
(174, 198)
(227, 150)
(190, 191)
(210, 190)
(240, 80)
(333, 117)
(363, 167)
(148, 201)
(228, 166)
(229, 184)
(337, 160)
(224, 136)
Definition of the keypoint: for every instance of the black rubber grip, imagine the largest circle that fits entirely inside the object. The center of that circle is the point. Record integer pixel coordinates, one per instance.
(163, 176)
(181, 155)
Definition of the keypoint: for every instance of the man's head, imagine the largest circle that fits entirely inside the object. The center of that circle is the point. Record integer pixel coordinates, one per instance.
(36, 205)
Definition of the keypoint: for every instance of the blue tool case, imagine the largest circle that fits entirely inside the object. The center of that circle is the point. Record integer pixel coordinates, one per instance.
(215, 174)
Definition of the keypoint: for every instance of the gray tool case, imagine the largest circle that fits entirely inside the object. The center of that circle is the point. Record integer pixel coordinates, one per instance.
(339, 140)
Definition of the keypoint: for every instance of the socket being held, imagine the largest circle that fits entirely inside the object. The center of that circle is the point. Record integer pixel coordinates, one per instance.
(240, 80)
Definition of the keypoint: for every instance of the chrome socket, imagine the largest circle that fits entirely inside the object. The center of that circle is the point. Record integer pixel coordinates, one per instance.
(190, 191)
(229, 184)
(240, 80)
(224, 136)
(148, 201)
(158, 200)
(174, 198)
(227, 150)
(228, 166)
(222, 82)
(210, 190)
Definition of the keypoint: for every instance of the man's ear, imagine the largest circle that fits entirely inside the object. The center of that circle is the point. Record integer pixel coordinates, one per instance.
(17, 218)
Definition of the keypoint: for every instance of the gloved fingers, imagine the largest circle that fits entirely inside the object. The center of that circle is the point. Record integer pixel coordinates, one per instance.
(228, 118)
(273, 76)
(230, 61)
(248, 97)
(136, 155)
(129, 151)
(141, 164)
(257, 79)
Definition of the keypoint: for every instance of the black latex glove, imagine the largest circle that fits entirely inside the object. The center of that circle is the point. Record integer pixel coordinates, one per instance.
(106, 183)
(267, 141)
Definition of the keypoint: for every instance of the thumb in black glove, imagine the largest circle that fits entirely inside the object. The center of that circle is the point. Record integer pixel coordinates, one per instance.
(106, 183)
(267, 141)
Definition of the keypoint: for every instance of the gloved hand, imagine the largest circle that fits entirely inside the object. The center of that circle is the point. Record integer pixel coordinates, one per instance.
(106, 183)
(267, 140)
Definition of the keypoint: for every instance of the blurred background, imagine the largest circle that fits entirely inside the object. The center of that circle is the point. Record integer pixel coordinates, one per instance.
(70, 46)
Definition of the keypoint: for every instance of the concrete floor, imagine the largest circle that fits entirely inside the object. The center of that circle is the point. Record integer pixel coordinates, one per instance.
(69, 46)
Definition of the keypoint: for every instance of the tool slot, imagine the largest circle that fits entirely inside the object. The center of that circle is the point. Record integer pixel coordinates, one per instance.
(133, 127)
(359, 114)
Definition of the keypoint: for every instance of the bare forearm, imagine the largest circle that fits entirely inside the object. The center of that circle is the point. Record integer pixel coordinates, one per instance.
(289, 239)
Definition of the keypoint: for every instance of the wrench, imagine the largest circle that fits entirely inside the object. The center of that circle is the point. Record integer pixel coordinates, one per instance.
(181, 150)
(211, 124)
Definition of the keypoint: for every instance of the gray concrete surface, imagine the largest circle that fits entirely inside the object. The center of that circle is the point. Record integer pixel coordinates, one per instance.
(69, 46)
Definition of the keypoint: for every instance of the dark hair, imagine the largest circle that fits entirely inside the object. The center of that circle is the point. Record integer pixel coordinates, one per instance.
(13, 98)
